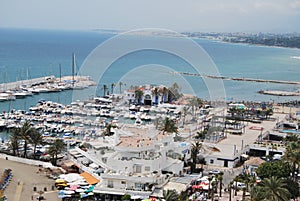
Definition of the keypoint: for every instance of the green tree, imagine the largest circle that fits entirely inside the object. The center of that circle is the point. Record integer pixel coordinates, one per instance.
(292, 155)
(14, 142)
(155, 92)
(104, 88)
(55, 148)
(220, 179)
(112, 86)
(168, 125)
(279, 168)
(107, 130)
(194, 152)
(165, 92)
(170, 195)
(120, 87)
(36, 139)
(257, 193)
(195, 103)
(185, 111)
(183, 196)
(275, 189)
(24, 134)
(138, 95)
(230, 189)
(210, 179)
(125, 197)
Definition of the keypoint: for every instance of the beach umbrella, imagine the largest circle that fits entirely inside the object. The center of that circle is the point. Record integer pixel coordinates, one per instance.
(61, 192)
(79, 190)
(197, 186)
(69, 192)
(83, 195)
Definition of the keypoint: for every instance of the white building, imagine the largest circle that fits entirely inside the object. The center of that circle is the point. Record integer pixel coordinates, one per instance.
(150, 95)
(141, 160)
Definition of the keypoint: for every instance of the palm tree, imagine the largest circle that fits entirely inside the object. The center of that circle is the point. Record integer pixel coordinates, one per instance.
(112, 86)
(120, 86)
(257, 193)
(138, 95)
(195, 103)
(107, 130)
(155, 92)
(209, 184)
(214, 185)
(202, 162)
(170, 195)
(292, 155)
(275, 189)
(194, 152)
(14, 143)
(36, 138)
(220, 179)
(169, 126)
(230, 189)
(55, 149)
(165, 92)
(184, 113)
(24, 134)
(182, 196)
(104, 88)
(235, 179)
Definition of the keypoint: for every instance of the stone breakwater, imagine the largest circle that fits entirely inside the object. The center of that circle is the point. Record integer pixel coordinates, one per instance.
(279, 93)
(238, 79)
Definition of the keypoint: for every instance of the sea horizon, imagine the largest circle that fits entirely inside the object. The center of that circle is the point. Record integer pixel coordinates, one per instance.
(41, 51)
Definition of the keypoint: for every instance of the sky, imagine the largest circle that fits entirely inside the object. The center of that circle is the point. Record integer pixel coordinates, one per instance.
(177, 15)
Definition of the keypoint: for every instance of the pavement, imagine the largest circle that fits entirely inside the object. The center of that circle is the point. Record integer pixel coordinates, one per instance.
(25, 178)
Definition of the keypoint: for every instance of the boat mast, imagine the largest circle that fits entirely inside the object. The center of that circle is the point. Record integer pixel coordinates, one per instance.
(73, 68)
(59, 72)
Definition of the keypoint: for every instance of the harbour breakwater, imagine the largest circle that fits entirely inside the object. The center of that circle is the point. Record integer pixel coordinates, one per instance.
(265, 92)
(23, 88)
(238, 79)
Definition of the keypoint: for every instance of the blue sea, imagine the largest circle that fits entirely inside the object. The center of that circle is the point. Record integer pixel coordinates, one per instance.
(26, 53)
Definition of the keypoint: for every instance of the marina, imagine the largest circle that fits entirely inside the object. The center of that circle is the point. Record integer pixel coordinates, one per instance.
(21, 89)
(117, 141)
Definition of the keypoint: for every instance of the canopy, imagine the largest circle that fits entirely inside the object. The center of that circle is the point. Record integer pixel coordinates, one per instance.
(89, 178)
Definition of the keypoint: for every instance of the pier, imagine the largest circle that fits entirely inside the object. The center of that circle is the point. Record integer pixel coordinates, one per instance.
(29, 82)
(23, 88)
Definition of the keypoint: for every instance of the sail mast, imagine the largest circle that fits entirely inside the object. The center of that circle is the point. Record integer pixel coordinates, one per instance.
(73, 68)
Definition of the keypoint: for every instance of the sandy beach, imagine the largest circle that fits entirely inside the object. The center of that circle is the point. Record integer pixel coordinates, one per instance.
(25, 178)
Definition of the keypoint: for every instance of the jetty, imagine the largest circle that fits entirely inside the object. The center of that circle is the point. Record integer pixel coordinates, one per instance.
(244, 79)
(279, 93)
(23, 88)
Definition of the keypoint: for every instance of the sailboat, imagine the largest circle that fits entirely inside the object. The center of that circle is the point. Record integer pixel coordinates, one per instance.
(75, 84)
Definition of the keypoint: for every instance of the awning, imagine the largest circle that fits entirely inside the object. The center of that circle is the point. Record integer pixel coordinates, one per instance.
(89, 178)
(108, 192)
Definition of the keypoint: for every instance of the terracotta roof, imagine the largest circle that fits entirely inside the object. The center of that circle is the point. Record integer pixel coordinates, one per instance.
(254, 161)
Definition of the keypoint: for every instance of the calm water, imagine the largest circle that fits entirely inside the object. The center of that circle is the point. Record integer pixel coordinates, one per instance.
(36, 53)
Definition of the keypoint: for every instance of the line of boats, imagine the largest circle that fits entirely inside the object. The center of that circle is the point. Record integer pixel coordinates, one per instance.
(12, 91)
(84, 119)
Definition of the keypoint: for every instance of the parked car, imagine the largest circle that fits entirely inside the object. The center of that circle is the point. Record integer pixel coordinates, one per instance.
(238, 185)
(215, 172)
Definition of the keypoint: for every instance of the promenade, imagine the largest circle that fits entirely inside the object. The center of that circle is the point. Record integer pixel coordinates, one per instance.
(25, 178)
